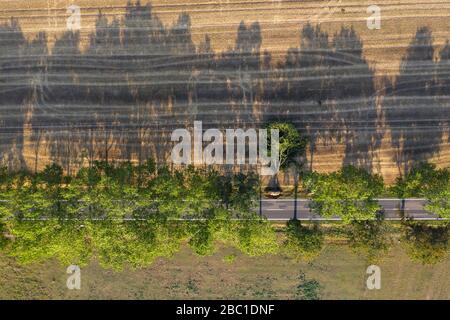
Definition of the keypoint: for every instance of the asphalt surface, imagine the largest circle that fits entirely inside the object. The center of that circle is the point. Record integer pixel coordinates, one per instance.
(283, 210)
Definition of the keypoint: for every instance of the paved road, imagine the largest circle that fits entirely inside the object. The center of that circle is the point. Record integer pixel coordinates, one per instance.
(283, 209)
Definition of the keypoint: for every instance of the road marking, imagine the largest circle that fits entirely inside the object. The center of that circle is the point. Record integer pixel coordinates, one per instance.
(333, 219)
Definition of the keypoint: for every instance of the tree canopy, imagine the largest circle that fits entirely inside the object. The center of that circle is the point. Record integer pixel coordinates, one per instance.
(371, 239)
(426, 181)
(129, 215)
(292, 144)
(302, 243)
(426, 244)
(348, 193)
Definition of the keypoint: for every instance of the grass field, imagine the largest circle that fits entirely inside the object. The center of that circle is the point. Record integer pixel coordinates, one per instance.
(341, 273)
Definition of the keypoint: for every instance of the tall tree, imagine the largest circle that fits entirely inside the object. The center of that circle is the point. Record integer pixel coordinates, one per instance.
(292, 148)
(426, 244)
(371, 239)
(424, 180)
(302, 242)
(349, 193)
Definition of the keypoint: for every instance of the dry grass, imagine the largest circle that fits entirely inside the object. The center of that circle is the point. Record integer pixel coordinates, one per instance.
(186, 276)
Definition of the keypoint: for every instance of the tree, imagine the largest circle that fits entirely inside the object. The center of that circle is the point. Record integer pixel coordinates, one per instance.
(370, 239)
(3, 238)
(292, 148)
(425, 180)
(244, 194)
(68, 241)
(6, 193)
(292, 145)
(116, 243)
(164, 193)
(52, 175)
(348, 193)
(204, 234)
(302, 243)
(426, 244)
(202, 237)
(30, 199)
(438, 198)
(253, 236)
(136, 244)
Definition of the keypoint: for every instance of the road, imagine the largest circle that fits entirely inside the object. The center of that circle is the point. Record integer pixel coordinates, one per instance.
(283, 209)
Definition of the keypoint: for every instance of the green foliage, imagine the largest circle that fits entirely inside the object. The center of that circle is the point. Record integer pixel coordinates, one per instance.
(52, 175)
(253, 237)
(414, 182)
(230, 259)
(36, 241)
(308, 289)
(439, 200)
(115, 243)
(244, 193)
(89, 177)
(223, 186)
(302, 243)
(425, 180)
(292, 145)
(426, 244)
(3, 231)
(371, 239)
(165, 193)
(348, 193)
(127, 216)
(89, 216)
(203, 237)
(134, 244)
(198, 192)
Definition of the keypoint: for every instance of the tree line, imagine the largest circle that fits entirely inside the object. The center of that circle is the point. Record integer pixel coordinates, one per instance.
(138, 79)
(128, 215)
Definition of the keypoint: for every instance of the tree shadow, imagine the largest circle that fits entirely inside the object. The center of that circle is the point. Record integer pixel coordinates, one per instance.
(417, 110)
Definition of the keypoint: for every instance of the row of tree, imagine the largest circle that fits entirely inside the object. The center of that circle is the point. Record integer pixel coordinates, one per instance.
(123, 243)
(128, 215)
(125, 214)
(138, 79)
(350, 193)
(125, 190)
